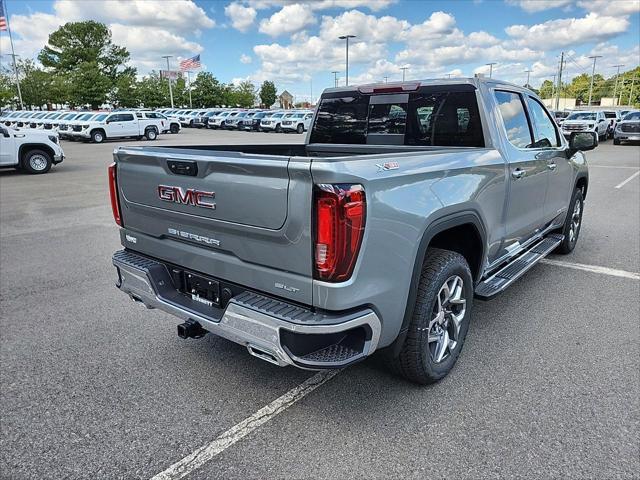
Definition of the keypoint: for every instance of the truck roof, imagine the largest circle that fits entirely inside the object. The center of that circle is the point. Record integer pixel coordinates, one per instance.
(411, 85)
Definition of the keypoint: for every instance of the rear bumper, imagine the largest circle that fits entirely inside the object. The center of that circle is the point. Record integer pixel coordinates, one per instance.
(273, 330)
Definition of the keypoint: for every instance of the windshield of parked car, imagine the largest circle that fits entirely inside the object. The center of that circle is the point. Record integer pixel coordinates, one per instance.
(582, 116)
(100, 117)
(277, 115)
(610, 114)
(86, 116)
(633, 116)
(259, 115)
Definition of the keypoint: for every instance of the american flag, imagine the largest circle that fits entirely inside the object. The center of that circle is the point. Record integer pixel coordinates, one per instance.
(190, 63)
(3, 18)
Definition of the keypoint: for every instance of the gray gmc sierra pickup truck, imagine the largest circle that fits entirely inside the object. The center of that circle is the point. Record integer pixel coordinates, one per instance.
(406, 202)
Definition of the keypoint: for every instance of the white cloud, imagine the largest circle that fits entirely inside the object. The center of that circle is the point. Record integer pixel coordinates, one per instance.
(177, 15)
(438, 24)
(373, 5)
(365, 27)
(613, 8)
(289, 19)
(241, 17)
(245, 59)
(532, 6)
(568, 31)
(482, 39)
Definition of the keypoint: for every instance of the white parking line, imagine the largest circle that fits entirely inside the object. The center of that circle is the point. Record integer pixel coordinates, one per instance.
(622, 184)
(204, 454)
(593, 268)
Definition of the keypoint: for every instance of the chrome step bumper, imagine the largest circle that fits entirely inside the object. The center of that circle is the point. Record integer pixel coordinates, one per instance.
(251, 319)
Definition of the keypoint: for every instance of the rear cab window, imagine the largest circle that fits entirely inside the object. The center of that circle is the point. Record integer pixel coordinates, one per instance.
(431, 116)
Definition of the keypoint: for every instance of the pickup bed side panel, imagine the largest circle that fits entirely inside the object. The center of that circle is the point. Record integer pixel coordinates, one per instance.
(401, 204)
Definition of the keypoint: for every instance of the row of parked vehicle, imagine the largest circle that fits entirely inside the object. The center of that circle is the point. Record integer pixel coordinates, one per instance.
(620, 124)
(96, 126)
(243, 119)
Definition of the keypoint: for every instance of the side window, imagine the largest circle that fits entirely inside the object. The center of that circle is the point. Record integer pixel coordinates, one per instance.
(138, 114)
(126, 117)
(341, 120)
(514, 118)
(113, 118)
(544, 131)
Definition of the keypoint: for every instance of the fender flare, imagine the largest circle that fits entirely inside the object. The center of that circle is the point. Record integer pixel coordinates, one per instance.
(439, 225)
(583, 175)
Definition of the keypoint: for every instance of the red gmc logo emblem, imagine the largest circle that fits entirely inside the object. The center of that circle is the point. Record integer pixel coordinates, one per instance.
(190, 196)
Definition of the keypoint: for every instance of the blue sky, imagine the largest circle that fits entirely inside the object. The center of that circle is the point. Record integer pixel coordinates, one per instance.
(295, 44)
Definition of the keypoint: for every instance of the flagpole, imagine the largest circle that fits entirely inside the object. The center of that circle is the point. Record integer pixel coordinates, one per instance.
(13, 55)
(189, 78)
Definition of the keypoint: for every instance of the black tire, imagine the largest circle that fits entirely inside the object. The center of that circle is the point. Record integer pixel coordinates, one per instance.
(37, 162)
(415, 361)
(278, 128)
(570, 231)
(151, 134)
(616, 141)
(98, 136)
(174, 128)
(300, 128)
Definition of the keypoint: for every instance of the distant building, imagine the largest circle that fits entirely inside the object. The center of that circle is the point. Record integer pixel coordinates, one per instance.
(286, 100)
(563, 104)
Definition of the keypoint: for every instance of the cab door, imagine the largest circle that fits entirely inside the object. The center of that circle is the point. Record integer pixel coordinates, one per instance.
(528, 174)
(130, 126)
(113, 126)
(8, 153)
(549, 147)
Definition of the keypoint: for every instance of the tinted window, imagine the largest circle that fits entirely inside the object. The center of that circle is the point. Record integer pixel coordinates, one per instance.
(341, 120)
(610, 114)
(514, 118)
(544, 131)
(125, 117)
(99, 118)
(387, 118)
(632, 116)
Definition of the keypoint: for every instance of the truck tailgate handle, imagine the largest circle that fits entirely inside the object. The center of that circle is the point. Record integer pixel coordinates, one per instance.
(181, 167)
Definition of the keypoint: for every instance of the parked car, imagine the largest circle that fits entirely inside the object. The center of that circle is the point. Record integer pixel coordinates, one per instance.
(162, 123)
(118, 125)
(298, 122)
(272, 123)
(49, 121)
(75, 130)
(373, 235)
(586, 121)
(252, 121)
(627, 129)
(64, 123)
(209, 115)
(217, 121)
(231, 122)
(34, 151)
(612, 118)
(560, 115)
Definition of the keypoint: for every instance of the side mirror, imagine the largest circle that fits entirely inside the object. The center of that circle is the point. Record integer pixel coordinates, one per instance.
(583, 141)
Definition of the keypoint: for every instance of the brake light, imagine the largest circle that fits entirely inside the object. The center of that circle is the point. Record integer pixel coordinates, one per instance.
(113, 193)
(340, 212)
(389, 88)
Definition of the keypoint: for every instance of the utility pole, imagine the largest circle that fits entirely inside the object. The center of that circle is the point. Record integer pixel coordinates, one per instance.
(169, 78)
(615, 88)
(347, 37)
(404, 71)
(559, 81)
(593, 72)
(13, 53)
(528, 72)
(491, 68)
(553, 84)
(633, 80)
(448, 75)
(386, 79)
(335, 78)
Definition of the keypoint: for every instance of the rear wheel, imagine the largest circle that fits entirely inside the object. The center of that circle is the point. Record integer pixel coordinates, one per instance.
(440, 318)
(151, 134)
(37, 161)
(278, 128)
(572, 224)
(300, 128)
(174, 128)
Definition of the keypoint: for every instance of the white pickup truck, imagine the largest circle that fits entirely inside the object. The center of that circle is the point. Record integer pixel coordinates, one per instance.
(34, 151)
(118, 125)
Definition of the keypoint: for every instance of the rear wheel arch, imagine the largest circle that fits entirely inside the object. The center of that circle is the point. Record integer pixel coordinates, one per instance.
(436, 235)
(582, 182)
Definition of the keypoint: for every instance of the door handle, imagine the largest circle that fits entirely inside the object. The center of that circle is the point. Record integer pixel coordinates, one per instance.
(518, 173)
(552, 166)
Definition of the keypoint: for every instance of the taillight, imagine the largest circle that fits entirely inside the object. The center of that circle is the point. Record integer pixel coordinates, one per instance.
(340, 212)
(113, 193)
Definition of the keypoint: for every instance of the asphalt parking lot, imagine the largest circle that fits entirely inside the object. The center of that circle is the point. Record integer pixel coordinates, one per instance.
(95, 386)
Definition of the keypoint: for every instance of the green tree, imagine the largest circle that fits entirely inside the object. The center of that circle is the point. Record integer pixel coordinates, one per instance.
(268, 93)
(207, 91)
(89, 86)
(546, 89)
(79, 43)
(125, 92)
(35, 84)
(8, 92)
(244, 94)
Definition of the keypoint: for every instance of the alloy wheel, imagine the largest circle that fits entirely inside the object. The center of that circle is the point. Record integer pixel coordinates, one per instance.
(576, 218)
(448, 314)
(38, 162)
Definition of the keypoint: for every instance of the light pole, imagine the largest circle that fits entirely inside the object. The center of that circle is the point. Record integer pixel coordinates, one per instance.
(386, 79)
(335, 78)
(615, 88)
(528, 72)
(491, 68)
(593, 72)
(169, 77)
(404, 72)
(347, 37)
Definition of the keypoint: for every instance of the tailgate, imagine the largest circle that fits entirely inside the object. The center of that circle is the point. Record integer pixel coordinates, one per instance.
(244, 218)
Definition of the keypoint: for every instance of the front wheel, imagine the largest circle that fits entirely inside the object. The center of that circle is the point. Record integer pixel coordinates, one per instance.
(440, 318)
(300, 128)
(97, 136)
(37, 161)
(278, 128)
(174, 128)
(572, 224)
